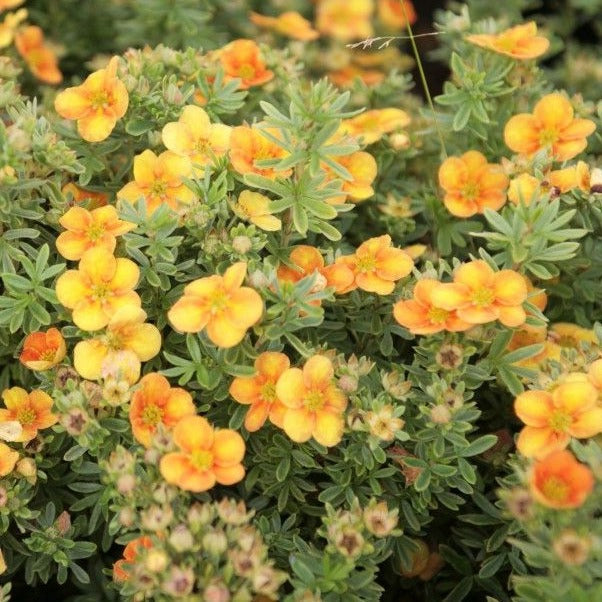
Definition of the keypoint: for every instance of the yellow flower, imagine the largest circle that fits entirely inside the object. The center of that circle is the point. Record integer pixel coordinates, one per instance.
(570, 335)
(524, 188)
(345, 20)
(98, 288)
(371, 126)
(255, 208)
(395, 14)
(126, 331)
(33, 411)
(520, 42)
(195, 137)
(97, 104)
(289, 23)
(315, 405)
(40, 58)
(159, 180)
(221, 305)
(9, 26)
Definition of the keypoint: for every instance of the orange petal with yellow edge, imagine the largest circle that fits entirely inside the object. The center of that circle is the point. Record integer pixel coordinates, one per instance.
(534, 408)
(193, 433)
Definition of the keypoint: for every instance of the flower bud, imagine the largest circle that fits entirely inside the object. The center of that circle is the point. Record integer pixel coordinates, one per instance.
(3, 497)
(215, 542)
(63, 522)
(216, 592)
(75, 421)
(181, 539)
(157, 518)
(572, 548)
(179, 582)
(126, 484)
(156, 561)
(127, 516)
(27, 468)
(242, 244)
(440, 414)
(399, 141)
(449, 356)
(348, 383)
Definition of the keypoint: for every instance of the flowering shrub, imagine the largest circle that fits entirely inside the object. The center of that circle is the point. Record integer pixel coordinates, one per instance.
(271, 328)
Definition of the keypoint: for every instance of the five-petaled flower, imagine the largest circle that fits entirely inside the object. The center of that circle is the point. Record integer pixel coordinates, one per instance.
(552, 418)
(33, 411)
(97, 104)
(40, 58)
(130, 555)
(471, 184)
(156, 403)
(553, 126)
(241, 59)
(87, 229)
(558, 481)
(315, 405)
(219, 304)
(98, 288)
(479, 294)
(43, 350)
(126, 331)
(206, 456)
(519, 42)
(259, 391)
(362, 168)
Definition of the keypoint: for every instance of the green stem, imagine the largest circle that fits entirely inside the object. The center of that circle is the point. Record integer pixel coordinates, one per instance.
(423, 78)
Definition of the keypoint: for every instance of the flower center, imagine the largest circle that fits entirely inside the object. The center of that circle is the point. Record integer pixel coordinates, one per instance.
(268, 392)
(95, 232)
(246, 71)
(560, 421)
(47, 355)
(483, 297)
(219, 302)
(99, 100)
(314, 401)
(471, 191)
(505, 43)
(367, 263)
(555, 489)
(100, 291)
(437, 315)
(547, 137)
(159, 188)
(202, 459)
(152, 415)
(26, 416)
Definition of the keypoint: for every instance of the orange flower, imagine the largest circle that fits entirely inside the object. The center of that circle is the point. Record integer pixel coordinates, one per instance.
(569, 178)
(195, 137)
(420, 316)
(88, 229)
(553, 418)
(206, 457)
(362, 168)
(371, 126)
(345, 20)
(159, 180)
(248, 145)
(255, 208)
(259, 391)
(97, 104)
(241, 59)
(307, 261)
(480, 295)
(126, 331)
(8, 459)
(221, 305)
(395, 14)
(471, 184)
(552, 125)
(558, 481)
(80, 195)
(289, 23)
(9, 26)
(345, 76)
(315, 406)
(519, 42)
(524, 188)
(130, 554)
(98, 288)
(40, 59)
(154, 403)
(31, 410)
(377, 265)
(43, 350)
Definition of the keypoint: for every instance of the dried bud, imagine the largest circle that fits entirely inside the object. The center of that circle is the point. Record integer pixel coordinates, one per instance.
(121, 461)
(243, 563)
(595, 181)
(349, 542)
(355, 419)
(126, 484)
(394, 385)
(520, 503)
(179, 582)
(75, 421)
(267, 580)
(127, 516)
(242, 244)
(440, 414)
(420, 558)
(572, 548)
(410, 473)
(63, 522)
(157, 518)
(3, 497)
(434, 564)
(232, 512)
(378, 520)
(383, 424)
(216, 592)
(163, 493)
(200, 515)
(449, 356)
(348, 383)
(63, 375)
(92, 393)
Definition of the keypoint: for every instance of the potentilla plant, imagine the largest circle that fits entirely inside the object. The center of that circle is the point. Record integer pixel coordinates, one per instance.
(272, 329)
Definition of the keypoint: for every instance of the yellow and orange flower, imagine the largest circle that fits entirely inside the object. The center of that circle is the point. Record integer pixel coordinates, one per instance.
(206, 456)
(159, 180)
(40, 59)
(524, 189)
(259, 391)
(552, 125)
(126, 331)
(241, 59)
(289, 23)
(371, 126)
(81, 195)
(570, 335)
(43, 350)
(88, 229)
(33, 411)
(552, 418)
(315, 405)
(130, 554)
(558, 481)
(97, 104)
(345, 20)
(248, 145)
(395, 14)
(594, 375)
(344, 77)
(471, 184)
(420, 316)
(480, 295)
(569, 178)
(98, 288)
(363, 170)
(307, 261)
(8, 459)
(255, 208)
(195, 137)
(219, 304)
(533, 335)
(519, 42)
(155, 403)
(9, 26)
(377, 266)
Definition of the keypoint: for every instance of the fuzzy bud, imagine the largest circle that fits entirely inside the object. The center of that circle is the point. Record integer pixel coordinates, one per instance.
(181, 539)
(258, 279)
(349, 542)
(348, 383)
(399, 141)
(215, 542)
(126, 484)
(572, 548)
(63, 375)
(520, 503)
(449, 356)
(242, 244)
(63, 522)
(378, 520)
(232, 512)
(75, 421)
(355, 419)
(92, 393)
(394, 385)
(127, 516)
(157, 518)
(440, 414)
(179, 582)
(156, 561)
(216, 592)
(27, 468)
